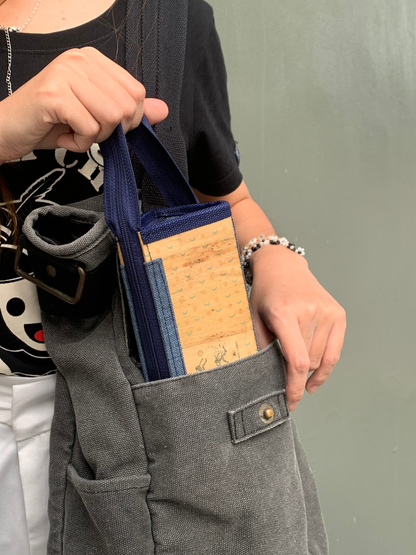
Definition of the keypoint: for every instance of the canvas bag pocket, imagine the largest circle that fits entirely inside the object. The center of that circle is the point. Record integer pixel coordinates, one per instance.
(225, 479)
(110, 514)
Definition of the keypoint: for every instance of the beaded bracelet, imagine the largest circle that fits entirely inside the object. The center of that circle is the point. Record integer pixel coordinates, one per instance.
(256, 243)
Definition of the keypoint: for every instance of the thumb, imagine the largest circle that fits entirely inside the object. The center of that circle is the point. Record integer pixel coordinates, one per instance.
(155, 110)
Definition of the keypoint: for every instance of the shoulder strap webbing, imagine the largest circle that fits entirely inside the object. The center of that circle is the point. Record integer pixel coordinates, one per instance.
(155, 54)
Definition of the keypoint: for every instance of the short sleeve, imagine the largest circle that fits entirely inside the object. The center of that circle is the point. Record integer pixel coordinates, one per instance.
(205, 113)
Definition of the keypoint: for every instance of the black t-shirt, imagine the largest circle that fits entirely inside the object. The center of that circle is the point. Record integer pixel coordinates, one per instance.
(62, 177)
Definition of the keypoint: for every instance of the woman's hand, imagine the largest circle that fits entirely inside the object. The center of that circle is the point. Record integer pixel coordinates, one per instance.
(77, 100)
(290, 304)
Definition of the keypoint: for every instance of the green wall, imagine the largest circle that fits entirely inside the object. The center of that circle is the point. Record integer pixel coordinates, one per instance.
(323, 97)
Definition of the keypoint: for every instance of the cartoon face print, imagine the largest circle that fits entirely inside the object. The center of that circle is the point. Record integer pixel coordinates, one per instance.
(21, 314)
(39, 179)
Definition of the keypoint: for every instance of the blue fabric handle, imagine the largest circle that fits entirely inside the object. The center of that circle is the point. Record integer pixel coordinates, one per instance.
(160, 165)
(122, 214)
(119, 181)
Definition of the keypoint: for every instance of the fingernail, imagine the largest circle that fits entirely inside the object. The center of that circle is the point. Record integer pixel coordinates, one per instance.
(292, 406)
(312, 389)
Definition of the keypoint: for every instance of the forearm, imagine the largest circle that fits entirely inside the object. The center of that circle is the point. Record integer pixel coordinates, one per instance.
(250, 221)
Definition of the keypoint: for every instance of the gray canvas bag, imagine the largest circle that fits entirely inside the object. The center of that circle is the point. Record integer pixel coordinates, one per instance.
(185, 465)
(208, 463)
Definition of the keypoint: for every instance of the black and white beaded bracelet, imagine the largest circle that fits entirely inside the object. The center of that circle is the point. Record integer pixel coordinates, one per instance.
(256, 243)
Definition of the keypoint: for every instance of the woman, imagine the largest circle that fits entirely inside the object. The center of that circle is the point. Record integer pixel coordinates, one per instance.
(64, 66)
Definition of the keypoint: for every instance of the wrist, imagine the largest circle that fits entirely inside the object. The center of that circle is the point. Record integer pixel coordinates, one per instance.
(252, 250)
(263, 257)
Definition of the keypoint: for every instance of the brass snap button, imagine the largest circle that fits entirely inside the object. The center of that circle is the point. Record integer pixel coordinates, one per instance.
(51, 271)
(266, 413)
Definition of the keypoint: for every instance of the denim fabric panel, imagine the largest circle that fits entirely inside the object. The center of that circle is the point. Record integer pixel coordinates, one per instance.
(147, 322)
(166, 317)
(164, 222)
(134, 322)
(210, 496)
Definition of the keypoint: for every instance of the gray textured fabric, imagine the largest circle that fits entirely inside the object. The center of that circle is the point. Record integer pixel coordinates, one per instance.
(107, 514)
(245, 422)
(182, 466)
(209, 495)
(90, 249)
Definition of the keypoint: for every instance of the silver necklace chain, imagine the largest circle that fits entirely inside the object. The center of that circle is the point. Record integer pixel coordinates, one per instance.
(7, 31)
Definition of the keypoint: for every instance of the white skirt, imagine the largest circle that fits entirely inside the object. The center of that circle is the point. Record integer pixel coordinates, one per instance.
(26, 410)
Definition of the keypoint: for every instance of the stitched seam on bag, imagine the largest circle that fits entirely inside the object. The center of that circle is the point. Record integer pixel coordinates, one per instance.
(278, 396)
(66, 473)
(233, 426)
(115, 490)
(151, 519)
(202, 375)
(258, 432)
(277, 393)
(242, 422)
(151, 516)
(283, 406)
(241, 425)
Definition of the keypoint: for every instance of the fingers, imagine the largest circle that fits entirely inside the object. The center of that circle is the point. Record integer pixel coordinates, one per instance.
(155, 110)
(311, 336)
(316, 338)
(95, 113)
(91, 116)
(93, 97)
(263, 334)
(126, 92)
(297, 362)
(320, 358)
(86, 130)
(330, 356)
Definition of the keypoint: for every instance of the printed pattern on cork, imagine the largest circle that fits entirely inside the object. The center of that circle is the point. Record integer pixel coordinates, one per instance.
(208, 293)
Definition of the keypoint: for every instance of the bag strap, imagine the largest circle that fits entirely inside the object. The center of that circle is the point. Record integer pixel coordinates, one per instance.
(122, 213)
(121, 206)
(173, 19)
(155, 54)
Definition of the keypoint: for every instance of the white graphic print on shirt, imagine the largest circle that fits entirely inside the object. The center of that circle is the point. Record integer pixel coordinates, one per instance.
(20, 327)
(60, 177)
